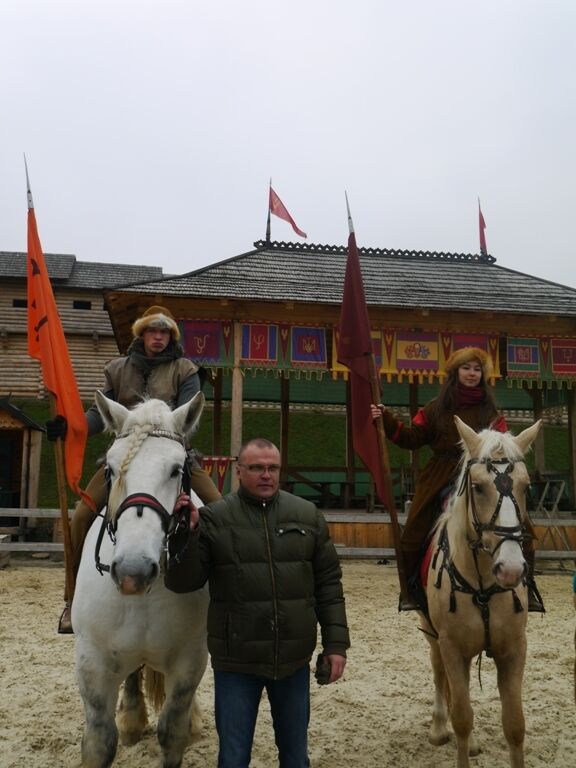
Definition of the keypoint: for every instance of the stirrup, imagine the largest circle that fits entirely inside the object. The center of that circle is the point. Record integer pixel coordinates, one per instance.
(407, 604)
(535, 602)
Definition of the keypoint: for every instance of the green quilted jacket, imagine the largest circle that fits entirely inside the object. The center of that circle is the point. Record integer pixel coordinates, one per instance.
(273, 575)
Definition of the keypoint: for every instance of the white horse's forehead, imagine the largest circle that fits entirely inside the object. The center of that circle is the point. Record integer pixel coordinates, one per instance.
(155, 450)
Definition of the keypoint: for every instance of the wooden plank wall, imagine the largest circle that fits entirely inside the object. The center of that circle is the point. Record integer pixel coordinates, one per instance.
(89, 335)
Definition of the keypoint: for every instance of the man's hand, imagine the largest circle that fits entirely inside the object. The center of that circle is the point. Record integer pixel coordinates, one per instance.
(337, 664)
(56, 428)
(185, 501)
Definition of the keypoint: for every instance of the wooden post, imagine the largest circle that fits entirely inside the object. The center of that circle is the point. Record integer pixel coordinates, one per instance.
(217, 414)
(284, 423)
(387, 474)
(571, 398)
(237, 396)
(539, 453)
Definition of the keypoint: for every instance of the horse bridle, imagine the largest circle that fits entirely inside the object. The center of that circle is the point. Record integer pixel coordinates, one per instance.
(505, 488)
(516, 533)
(171, 523)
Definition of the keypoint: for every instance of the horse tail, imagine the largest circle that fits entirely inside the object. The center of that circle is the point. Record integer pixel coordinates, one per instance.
(154, 687)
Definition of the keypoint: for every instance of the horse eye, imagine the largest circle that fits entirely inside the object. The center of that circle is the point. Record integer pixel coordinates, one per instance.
(477, 488)
(176, 471)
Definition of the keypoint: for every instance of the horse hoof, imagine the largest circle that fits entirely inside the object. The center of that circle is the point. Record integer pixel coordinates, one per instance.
(129, 738)
(438, 741)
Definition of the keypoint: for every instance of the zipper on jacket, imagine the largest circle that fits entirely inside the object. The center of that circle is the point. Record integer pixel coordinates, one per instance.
(274, 596)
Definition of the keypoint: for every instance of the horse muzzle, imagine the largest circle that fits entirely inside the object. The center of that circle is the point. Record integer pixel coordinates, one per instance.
(509, 575)
(134, 578)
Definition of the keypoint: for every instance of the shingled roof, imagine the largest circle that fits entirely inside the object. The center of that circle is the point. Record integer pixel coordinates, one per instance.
(65, 269)
(279, 271)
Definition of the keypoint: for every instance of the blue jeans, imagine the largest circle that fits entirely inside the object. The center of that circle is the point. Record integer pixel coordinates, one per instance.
(237, 698)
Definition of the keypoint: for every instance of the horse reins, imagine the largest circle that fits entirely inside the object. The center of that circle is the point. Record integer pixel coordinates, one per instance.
(516, 533)
(170, 523)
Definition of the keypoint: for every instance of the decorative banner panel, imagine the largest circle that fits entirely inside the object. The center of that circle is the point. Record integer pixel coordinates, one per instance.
(544, 359)
(563, 357)
(376, 348)
(308, 348)
(259, 345)
(523, 357)
(207, 342)
(416, 351)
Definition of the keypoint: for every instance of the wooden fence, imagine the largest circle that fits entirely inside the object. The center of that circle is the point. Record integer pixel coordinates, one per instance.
(356, 535)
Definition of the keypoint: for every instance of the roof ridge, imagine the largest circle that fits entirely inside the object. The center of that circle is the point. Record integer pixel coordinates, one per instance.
(280, 245)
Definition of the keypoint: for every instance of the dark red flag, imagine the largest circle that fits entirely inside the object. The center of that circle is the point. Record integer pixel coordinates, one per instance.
(277, 207)
(482, 227)
(355, 352)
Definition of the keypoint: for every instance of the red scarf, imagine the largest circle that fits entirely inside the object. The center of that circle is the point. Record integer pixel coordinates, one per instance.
(466, 397)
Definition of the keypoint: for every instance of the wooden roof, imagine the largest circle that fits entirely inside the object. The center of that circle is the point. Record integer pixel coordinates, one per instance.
(314, 273)
(66, 271)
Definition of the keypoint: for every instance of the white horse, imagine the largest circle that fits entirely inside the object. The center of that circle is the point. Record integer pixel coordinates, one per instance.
(476, 590)
(123, 615)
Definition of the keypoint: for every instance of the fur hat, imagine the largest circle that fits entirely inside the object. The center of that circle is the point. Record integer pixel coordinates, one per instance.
(466, 355)
(156, 317)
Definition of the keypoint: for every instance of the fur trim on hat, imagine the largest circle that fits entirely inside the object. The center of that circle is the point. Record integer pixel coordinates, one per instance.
(156, 317)
(465, 355)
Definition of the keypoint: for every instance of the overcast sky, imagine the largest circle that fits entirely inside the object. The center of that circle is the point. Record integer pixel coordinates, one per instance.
(152, 127)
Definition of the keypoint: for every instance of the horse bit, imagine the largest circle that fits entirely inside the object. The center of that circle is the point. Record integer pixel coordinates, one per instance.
(171, 524)
(502, 469)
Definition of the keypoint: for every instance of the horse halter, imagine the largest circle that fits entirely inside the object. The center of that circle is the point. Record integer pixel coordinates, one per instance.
(170, 523)
(502, 470)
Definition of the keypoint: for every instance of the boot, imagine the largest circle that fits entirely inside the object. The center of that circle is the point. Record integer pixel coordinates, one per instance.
(535, 602)
(411, 563)
(65, 623)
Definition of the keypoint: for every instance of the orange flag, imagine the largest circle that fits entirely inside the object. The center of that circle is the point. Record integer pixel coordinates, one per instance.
(47, 343)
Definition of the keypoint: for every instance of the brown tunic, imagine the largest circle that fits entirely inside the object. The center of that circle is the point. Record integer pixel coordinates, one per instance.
(439, 472)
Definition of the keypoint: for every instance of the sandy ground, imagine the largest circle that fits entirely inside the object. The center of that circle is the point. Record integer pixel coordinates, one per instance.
(378, 716)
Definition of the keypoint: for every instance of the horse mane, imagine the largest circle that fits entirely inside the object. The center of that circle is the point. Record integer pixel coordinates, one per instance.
(143, 418)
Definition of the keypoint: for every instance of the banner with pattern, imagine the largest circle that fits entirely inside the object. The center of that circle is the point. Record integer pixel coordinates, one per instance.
(207, 342)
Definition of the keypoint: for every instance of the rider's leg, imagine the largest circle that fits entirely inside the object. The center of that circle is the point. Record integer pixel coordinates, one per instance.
(201, 483)
(82, 519)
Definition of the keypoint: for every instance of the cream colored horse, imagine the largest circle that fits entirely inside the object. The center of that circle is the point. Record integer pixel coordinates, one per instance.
(477, 597)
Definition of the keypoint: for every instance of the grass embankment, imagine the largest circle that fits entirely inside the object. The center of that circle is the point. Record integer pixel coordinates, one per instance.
(315, 441)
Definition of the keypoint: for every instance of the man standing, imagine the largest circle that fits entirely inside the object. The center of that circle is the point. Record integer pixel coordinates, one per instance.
(154, 367)
(273, 575)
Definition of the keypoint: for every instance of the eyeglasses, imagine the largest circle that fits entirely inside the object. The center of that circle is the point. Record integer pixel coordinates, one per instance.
(260, 469)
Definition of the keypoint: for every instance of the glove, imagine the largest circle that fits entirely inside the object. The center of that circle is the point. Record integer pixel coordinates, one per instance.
(56, 428)
(322, 672)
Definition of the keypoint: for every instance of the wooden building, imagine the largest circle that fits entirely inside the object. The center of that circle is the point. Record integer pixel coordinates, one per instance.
(274, 312)
(77, 287)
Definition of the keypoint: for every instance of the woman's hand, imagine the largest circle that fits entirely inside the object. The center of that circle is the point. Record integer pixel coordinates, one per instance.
(377, 411)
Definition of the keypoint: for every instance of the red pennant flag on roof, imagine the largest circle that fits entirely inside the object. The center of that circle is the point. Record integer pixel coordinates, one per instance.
(277, 207)
(482, 227)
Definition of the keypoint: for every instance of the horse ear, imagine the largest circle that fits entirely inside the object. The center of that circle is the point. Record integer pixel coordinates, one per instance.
(469, 437)
(525, 439)
(185, 418)
(113, 414)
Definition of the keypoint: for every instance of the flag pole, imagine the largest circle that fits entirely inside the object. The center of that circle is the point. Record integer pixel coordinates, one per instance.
(59, 461)
(387, 474)
(385, 461)
(268, 219)
(63, 504)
